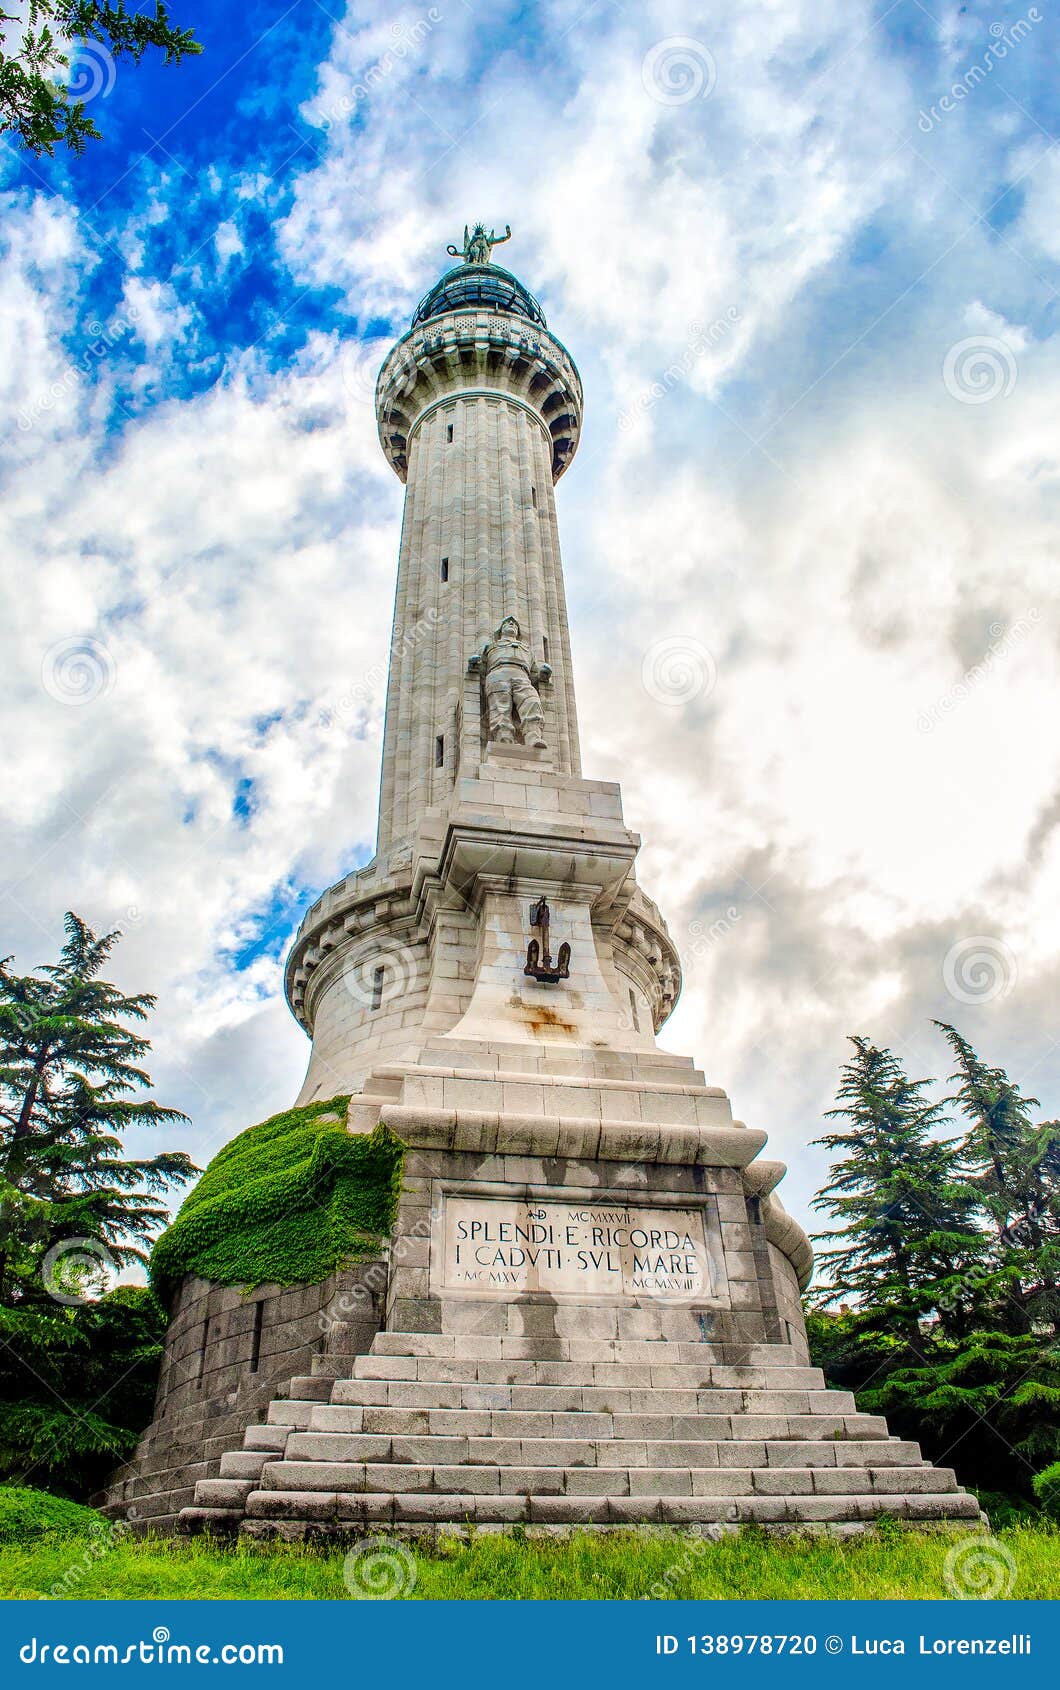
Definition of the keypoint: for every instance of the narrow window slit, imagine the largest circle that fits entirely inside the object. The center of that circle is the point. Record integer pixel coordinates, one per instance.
(255, 1336)
(445, 569)
(439, 752)
(377, 986)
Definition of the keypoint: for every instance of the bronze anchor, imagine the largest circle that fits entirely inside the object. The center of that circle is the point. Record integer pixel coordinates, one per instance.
(539, 964)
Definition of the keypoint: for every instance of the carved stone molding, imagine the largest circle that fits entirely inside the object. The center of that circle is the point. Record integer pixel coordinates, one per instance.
(469, 355)
(645, 951)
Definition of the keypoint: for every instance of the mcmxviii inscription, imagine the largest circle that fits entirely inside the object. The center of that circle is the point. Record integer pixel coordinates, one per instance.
(575, 1249)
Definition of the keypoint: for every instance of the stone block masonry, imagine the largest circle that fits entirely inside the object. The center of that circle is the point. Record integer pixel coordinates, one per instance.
(226, 1358)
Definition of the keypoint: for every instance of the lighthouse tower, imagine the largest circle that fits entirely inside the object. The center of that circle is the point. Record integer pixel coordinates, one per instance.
(591, 1303)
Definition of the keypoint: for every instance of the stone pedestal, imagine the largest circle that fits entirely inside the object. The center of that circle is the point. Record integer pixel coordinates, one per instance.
(593, 1309)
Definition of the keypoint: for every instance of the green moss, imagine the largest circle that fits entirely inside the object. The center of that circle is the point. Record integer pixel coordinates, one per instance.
(34, 1516)
(287, 1202)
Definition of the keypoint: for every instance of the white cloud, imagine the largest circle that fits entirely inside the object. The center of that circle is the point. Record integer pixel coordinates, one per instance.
(158, 316)
(228, 242)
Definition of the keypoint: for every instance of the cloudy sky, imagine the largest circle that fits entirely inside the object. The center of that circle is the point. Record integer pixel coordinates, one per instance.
(804, 253)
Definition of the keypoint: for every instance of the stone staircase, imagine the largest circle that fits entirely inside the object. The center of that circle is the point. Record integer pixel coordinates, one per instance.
(451, 1430)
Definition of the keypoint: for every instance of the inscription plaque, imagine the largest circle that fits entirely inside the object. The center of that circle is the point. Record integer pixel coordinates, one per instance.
(575, 1250)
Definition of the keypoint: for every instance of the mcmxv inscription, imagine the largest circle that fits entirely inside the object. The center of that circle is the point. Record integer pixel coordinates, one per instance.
(575, 1249)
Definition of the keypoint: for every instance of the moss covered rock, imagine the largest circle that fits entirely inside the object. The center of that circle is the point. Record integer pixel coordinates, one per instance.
(288, 1202)
(30, 1516)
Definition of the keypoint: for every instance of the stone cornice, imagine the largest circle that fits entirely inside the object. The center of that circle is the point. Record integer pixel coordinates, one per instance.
(569, 1136)
(478, 353)
(643, 946)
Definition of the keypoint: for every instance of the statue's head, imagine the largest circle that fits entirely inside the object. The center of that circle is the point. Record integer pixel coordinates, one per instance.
(509, 629)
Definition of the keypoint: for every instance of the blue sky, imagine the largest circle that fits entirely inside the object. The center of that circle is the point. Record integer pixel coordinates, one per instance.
(812, 292)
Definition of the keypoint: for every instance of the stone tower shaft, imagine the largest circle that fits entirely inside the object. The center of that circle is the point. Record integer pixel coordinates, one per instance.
(479, 410)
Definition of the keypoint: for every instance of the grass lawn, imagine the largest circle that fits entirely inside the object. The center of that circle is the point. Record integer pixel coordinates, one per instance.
(892, 1564)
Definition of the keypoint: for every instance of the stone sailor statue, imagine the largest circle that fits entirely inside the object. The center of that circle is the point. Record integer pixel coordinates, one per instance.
(510, 678)
(478, 246)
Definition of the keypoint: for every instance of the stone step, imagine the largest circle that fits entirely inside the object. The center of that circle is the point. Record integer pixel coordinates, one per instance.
(292, 1509)
(861, 1429)
(583, 1422)
(309, 1387)
(244, 1463)
(218, 1521)
(460, 1479)
(329, 1448)
(265, 1437)
(286, 1413)
(667, 1376)
(471, 1346)
(607, 1399)
(223, 1493)
(336, 1365)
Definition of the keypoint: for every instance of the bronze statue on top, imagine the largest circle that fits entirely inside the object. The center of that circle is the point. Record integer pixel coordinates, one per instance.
(478, 246)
